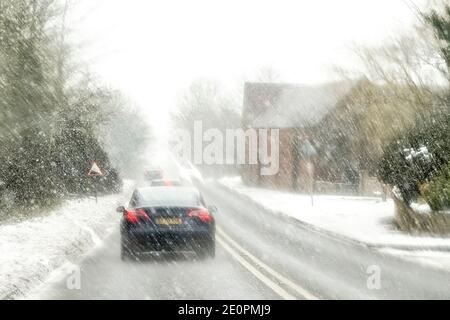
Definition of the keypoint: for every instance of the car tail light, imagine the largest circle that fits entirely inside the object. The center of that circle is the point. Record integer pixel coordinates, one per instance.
(135, 216)
(201, 214)
(168, 183)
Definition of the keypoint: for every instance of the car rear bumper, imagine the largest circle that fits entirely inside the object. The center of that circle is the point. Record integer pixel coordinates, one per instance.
(148, 241)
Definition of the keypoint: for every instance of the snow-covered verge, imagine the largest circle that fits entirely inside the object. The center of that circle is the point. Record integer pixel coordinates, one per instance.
(436, 259)
(362, 219)
(32, 249)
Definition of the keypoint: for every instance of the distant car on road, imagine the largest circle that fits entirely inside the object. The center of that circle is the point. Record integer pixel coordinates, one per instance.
(153, 174)
(166, 219)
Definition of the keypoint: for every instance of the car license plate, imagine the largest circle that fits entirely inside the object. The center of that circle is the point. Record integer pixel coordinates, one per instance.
(169, 221)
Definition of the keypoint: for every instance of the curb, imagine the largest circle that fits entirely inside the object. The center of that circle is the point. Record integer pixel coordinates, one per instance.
(331, 234)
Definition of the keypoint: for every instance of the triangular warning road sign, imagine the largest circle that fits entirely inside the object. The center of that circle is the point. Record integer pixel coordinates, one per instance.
(95, 170)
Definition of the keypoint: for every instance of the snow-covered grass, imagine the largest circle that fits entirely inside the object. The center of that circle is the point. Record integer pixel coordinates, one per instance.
(421, 208)
(363, 219)
(31, 249)
(436, 259)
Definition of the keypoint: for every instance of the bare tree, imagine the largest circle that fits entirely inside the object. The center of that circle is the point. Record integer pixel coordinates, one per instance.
(267, 74)
(205, 102)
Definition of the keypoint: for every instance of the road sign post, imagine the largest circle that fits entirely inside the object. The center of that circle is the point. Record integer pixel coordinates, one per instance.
(310, 152)
(95, 192)
(95, 172)
(310, 169)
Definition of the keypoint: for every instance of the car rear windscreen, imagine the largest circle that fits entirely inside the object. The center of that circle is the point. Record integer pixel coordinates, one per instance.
(168, 197)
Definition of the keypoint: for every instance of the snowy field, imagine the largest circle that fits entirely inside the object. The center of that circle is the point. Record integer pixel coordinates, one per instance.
(32, 249)
(362, 219)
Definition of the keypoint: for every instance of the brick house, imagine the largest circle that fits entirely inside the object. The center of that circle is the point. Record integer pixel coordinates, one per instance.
(295, 110)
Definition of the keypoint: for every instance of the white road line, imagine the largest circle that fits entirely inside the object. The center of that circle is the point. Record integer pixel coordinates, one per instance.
(301, 291)
(272, 285)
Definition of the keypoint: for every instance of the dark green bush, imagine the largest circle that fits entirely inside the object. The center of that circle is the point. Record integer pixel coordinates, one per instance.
(437, 192)
(403, 163)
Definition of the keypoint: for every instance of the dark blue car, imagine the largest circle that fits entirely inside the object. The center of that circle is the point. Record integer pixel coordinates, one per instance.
(167, 219)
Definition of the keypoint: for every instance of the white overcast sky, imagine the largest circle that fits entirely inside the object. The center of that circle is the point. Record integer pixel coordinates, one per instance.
(154, 49)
